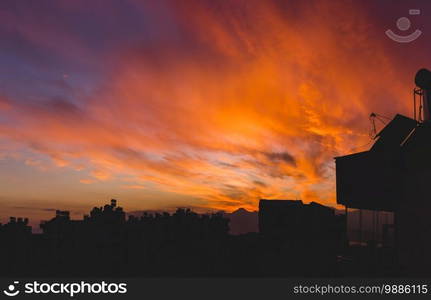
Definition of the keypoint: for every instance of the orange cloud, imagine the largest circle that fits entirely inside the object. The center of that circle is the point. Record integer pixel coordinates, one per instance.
(256, 107)
(87, 181)
(101, 174)
(133, 187)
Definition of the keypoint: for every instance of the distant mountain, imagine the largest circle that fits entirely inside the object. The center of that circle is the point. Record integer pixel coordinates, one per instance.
(242, 221)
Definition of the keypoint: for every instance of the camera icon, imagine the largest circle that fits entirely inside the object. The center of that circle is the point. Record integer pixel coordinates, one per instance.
(404, 24)
(12, 290)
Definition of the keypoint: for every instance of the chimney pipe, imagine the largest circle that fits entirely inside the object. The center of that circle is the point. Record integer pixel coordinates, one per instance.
(423, 81)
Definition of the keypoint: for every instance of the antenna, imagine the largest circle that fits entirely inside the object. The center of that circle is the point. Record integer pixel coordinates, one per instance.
(373, 131)
(373, 117)
(417, 104)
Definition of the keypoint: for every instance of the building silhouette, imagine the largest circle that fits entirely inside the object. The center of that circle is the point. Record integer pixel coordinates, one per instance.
(307, 237)
(294, 220)
(393, 176)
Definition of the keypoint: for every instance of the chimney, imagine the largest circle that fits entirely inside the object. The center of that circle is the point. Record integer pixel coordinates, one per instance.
(423, 81)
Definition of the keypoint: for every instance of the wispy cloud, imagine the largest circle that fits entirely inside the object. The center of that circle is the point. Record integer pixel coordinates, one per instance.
(236, 101)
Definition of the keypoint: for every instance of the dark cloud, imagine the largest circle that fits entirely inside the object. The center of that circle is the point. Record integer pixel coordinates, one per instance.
(126, 152)
(260, 183)
(281, 156)
(228, 165)
(61, 106)
(233, 192)
(34, 208)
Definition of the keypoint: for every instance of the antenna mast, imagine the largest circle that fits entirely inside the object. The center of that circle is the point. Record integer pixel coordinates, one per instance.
(373, 117)
(417, 105)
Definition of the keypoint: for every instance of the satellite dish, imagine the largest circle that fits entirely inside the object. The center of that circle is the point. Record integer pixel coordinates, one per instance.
(423, 79)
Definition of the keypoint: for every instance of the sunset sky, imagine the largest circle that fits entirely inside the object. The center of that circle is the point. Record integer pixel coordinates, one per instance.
(207, 104)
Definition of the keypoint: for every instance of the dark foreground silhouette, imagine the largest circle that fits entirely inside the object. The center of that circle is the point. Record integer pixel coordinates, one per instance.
(294, 240)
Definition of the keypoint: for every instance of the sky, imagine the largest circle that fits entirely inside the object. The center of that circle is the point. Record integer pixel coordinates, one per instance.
(206, 104)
